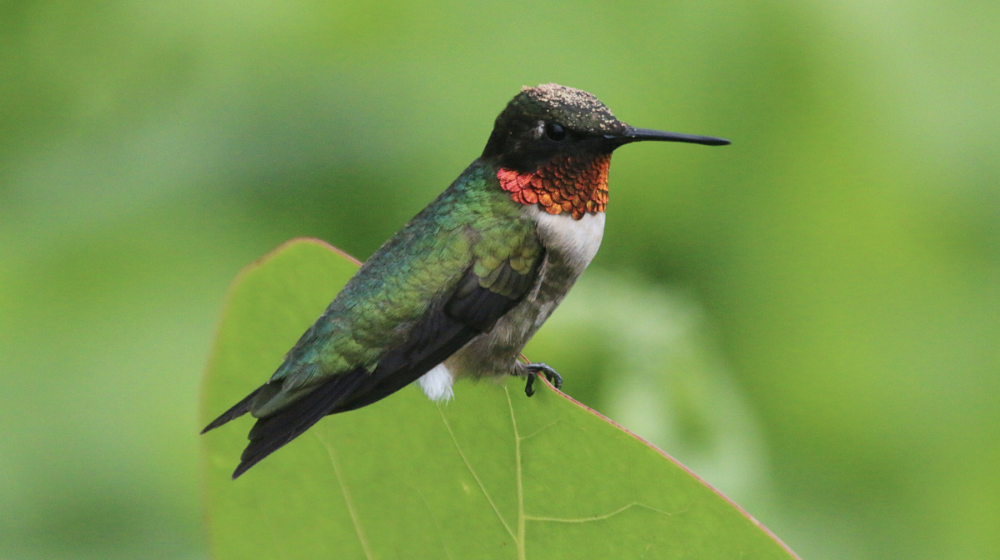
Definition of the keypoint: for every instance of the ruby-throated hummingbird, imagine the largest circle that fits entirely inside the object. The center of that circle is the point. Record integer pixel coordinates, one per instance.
(465, 284)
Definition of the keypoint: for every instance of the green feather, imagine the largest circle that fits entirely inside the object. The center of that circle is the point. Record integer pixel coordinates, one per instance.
(474, 223)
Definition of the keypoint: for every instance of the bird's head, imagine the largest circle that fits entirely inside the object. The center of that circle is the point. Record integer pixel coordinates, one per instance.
(552, 145)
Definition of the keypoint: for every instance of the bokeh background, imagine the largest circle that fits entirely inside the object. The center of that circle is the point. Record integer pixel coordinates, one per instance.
(809, 317)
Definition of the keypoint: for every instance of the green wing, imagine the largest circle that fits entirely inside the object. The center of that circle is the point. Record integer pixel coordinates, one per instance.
(446, 277)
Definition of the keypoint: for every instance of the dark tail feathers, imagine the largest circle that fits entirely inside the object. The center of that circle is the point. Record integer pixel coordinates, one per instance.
(271, 433)
(238, 409)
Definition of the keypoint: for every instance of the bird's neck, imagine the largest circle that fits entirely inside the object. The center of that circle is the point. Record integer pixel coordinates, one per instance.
(574, 185)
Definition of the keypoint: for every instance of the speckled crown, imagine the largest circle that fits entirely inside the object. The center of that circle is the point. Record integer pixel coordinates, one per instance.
(570, 107)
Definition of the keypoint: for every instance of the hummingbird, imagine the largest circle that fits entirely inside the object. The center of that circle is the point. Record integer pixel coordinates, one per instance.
(460, 290)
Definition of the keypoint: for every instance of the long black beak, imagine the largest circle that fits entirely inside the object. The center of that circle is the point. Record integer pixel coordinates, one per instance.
(643, 134)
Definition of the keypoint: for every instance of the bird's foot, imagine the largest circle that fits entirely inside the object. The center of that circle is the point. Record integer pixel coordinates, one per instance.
(549, 373)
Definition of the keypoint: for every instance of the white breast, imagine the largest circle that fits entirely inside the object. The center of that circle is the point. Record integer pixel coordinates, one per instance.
(577, 241)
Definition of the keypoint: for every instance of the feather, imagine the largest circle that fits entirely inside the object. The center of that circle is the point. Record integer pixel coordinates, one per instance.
(237, 410)
(445, 328)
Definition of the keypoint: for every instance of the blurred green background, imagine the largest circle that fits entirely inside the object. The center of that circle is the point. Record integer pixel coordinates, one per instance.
(809, 317)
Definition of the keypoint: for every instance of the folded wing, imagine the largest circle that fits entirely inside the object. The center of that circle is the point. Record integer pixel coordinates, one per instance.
(328, 371)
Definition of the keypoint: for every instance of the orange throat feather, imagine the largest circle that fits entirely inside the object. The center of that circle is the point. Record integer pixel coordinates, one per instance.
(576, 186)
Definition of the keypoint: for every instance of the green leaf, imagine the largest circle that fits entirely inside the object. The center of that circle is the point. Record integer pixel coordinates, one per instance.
(492, 474)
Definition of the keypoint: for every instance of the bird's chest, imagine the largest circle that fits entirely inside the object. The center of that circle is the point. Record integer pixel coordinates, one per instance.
(570, 245)
(573, 241)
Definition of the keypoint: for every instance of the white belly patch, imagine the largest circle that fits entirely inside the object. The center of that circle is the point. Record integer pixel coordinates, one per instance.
(436, 384)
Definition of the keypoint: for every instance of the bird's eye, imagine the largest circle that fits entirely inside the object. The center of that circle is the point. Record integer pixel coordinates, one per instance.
(555, 132)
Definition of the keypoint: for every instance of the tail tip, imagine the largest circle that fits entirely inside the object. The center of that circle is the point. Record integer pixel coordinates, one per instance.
(243, 467)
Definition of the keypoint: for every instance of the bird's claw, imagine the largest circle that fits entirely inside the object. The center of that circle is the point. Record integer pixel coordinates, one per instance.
(533, 370)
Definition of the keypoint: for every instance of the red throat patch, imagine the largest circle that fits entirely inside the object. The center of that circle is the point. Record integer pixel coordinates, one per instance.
(576, 186)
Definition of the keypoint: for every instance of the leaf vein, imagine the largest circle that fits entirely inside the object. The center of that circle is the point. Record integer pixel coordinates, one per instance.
(540, 430)
(521, 553)
(347, 498)
(474, 475)
(434, 519)
(596, 517)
